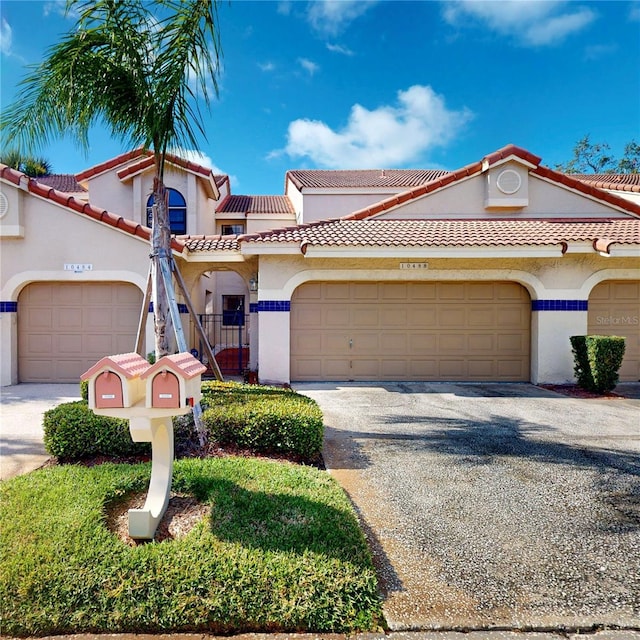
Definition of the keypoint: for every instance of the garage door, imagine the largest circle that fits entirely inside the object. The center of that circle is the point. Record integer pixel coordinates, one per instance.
(476, 331)
(64, 328)
(614, 310)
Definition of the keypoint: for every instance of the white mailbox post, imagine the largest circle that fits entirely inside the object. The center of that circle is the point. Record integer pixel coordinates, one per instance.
(127, 386)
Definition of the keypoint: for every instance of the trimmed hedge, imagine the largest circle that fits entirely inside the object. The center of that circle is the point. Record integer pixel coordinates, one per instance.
(72, 432)
(264, 419)
(597, 360)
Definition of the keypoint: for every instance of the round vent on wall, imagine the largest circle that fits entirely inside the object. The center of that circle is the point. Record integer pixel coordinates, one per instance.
(4, 205)
(509, 181)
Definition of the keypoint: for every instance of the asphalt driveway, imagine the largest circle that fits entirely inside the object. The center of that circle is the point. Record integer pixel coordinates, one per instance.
(492, 505)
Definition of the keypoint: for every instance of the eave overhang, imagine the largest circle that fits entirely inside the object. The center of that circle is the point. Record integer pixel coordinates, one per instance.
(476, 252)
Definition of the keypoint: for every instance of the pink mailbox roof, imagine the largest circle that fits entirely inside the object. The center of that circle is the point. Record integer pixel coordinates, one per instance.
(130, 365)
(183, 364)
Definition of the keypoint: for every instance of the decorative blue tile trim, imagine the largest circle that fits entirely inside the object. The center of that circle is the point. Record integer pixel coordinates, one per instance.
(559, 305)
(254, 307)
(274, 305)
(182, 308)
(8, 307)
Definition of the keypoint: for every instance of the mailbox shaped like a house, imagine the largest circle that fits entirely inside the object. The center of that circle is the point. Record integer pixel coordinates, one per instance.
(115, 382)
(173, 382)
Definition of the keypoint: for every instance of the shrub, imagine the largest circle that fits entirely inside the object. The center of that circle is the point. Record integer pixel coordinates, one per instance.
(72, 432)
(597, 360)
(84, 390)
(263, 419)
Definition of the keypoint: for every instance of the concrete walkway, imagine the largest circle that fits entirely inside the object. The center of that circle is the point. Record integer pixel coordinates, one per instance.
(22, 408)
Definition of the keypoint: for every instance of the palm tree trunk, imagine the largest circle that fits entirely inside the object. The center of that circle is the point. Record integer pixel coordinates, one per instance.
(160, 251)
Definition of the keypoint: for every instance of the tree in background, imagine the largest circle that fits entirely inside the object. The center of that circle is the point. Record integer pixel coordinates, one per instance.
(596, 157)
(30, 165)
(139, 68)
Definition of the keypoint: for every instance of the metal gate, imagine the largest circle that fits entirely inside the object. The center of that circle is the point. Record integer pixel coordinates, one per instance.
(228, 335)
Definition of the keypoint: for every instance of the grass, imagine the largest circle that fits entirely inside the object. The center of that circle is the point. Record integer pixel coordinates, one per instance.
(280, 551)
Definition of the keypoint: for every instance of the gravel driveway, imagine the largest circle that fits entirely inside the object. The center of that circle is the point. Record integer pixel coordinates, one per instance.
(492, 505)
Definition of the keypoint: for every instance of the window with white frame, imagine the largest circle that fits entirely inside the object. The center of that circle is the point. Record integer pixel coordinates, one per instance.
(232, 229)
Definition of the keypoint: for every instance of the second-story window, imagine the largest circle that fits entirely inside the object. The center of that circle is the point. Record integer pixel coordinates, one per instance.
(232, 229)
(177, 212)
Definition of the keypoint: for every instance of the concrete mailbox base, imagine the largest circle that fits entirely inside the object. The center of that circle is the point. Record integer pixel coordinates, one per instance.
(159, 431)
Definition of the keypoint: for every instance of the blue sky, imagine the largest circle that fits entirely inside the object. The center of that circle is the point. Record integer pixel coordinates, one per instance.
(386, 84)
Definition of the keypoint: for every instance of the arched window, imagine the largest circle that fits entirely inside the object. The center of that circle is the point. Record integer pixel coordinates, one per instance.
(177, 212)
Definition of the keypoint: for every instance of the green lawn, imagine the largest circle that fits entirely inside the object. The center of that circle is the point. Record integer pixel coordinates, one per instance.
(280, 551)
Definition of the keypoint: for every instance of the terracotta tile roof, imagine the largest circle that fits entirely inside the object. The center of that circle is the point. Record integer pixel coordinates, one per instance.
(613, 181)
(80, 206)
(146, 162)
(112, 163)
(64, 182)
(452, 233)
(210, 243)
(393, 178)
(256, 204)
(220, 179)
(489, 160)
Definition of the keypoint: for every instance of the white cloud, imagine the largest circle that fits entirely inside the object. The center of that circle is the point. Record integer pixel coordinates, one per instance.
(338, 48)
(284, 8)
(59, 7)
(266, 66)
(634, 13)
(383, 137)
(331, 17)
(530, 22)
(201, 158)
(598, 51)
(6, 42)
(6, 37)
(308, 65)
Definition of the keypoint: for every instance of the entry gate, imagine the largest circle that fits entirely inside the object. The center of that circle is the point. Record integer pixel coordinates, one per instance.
(228, 335)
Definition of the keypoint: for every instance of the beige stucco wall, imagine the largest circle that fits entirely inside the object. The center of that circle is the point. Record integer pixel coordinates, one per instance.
(571, 277)
(128, 198)
(261, 222)
(55, 236)
(320, 206)
(467, 197)
(107, 191)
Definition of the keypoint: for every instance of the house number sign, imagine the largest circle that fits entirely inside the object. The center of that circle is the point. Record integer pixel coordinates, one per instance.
(414, 265)
(77, 267)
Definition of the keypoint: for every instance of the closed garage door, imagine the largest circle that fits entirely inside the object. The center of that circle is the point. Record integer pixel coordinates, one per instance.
(614, 310)
(63, 328)
(476, 331)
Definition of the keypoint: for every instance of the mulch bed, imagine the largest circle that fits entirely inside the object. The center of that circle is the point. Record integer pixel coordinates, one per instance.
(574, 391)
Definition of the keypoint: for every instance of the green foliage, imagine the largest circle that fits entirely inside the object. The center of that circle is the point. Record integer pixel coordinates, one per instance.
(263, 419)
(597, 360)
(596, 157)
(280, 550)
(138, 67)
(84, 390)
(73, 432)
(29, 165)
